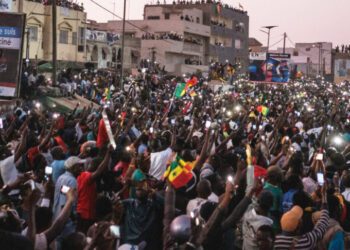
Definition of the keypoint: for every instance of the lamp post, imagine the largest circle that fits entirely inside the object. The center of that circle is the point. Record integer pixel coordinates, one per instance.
(268, 35)
(268, 32)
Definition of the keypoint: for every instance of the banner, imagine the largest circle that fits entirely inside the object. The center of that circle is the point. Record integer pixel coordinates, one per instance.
(11, 41)
(5, 5)
(270, 68)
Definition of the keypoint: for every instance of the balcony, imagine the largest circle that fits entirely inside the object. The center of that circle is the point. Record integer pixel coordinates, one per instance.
(172, 46)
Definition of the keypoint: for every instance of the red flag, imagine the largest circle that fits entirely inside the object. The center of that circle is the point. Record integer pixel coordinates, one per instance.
(191, 82)
(102, 135)
(184, 112)
(123, 117)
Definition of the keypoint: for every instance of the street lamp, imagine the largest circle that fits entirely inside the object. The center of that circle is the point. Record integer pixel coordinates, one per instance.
(268, 43)
(268, 34)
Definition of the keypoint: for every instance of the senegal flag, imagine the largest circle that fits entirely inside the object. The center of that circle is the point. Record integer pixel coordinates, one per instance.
(180, 90)
(264, 110)
(218, 9)
(179, 173)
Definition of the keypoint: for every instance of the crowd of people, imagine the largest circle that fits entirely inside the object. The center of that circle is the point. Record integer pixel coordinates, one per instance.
(342, 49)
(246, 166)
(62, 3)
(226, 6)
(171, 36)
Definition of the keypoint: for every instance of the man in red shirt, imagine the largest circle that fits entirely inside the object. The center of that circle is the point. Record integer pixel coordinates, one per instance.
(87, 191)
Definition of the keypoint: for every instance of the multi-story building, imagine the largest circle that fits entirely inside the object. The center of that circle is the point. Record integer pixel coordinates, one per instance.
(311, 59)
(71, 29)
(104, 49)
(176, 43)
(185, 38)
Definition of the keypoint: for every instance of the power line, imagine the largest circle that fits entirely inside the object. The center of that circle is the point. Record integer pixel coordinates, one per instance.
(277, 42)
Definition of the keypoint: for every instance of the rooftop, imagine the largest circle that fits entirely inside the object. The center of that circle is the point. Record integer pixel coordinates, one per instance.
(253, 42)
(197, 3)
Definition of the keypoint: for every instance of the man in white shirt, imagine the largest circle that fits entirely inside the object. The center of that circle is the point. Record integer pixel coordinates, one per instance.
(159, 158)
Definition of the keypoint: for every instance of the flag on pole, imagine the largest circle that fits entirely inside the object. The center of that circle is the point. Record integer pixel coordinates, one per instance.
(218, 9)
(193, 93)
(264, 110)
(123, 117)
(190, 83)
(179, 173)
(180, 87)
(240, 6)
(188, 106)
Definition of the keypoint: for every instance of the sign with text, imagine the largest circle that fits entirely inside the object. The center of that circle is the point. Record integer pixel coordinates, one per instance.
(5, 5)
(269, 68)
(11, 42)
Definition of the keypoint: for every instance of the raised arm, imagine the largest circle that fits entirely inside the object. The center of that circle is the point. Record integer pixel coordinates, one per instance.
(58, 225)
(22, 147)
(47, 138)
(104, 164)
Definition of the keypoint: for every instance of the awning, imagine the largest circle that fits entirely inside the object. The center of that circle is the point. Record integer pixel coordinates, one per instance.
(106, 50)
(135, 53)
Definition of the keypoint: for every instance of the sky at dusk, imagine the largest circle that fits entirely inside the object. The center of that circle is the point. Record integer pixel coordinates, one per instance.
(302, 20)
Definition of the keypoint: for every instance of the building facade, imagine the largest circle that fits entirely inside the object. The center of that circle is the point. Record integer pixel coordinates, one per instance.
(311, 59)
(103, 49)
(71, 29)
(185, 38)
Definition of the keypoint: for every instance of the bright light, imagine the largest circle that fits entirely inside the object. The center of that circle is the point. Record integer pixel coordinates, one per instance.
(237, 108)
(37, 105)
(229, 113)
(54, 105)
(338, 140)
(55, 116)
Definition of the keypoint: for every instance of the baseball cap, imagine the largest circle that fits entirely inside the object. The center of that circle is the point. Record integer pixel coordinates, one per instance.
(290, 220)
(73, 160)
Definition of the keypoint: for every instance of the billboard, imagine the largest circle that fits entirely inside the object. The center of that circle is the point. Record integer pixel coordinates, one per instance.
(5, 5)
(11, 40)
(269, 68)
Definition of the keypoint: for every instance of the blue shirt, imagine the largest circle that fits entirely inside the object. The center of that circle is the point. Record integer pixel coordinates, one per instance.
(287, 201)
(66, 179)
(58, 169)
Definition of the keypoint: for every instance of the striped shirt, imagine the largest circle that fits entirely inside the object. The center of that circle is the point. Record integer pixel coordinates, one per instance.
(308, 240)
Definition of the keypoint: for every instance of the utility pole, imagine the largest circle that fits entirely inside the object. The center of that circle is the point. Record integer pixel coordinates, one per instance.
(122, 55)
(27, 49)
(284, 42)
(54, 43)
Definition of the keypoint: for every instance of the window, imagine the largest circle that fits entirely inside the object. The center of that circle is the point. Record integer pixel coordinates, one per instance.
(198, 20)
(295, 53)
(74, 38)
(64, 36)
(104, 55)
(307, 49)
(81, 36)
(167, 16)
(153, 17)
(81, 39)
(237, 44)
(33, 33)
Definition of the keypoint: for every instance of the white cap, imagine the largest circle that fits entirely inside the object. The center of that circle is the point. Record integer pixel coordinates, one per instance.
(73, 160)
